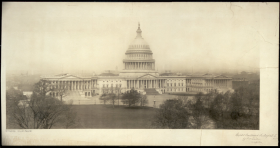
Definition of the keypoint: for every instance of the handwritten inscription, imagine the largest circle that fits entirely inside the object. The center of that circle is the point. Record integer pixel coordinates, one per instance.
(256, 138)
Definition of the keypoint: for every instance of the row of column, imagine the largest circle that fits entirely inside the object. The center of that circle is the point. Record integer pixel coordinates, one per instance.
(139, 56)
(139, 65)
(75, 85)
(217, 83)
(158, 83)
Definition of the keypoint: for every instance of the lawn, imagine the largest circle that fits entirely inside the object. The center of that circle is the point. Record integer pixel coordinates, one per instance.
(107, 117)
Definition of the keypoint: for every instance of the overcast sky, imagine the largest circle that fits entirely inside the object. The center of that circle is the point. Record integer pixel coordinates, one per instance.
(95, 36)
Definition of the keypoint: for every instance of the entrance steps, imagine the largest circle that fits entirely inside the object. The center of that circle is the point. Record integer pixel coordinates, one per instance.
(73, 93)
(151, 91)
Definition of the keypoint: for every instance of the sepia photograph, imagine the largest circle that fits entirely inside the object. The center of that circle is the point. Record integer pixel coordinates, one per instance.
(152, 71)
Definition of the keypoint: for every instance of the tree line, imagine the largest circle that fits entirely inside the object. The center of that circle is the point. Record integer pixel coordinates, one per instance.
(230, 110)
(131, 98)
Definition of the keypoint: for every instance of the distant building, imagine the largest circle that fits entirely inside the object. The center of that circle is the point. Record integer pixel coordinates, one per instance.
(139, 73)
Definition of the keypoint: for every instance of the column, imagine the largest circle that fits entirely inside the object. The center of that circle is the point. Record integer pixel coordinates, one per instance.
(90, 84)
(146, 84)
(156, 83)
(145, 65)
(226, 83)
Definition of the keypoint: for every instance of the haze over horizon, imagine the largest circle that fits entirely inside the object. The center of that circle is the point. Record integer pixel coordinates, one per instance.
(192, 37)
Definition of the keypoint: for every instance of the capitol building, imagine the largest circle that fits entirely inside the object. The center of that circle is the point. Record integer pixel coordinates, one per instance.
(139, 73)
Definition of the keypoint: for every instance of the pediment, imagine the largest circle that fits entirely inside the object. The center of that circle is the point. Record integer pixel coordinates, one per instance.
(147, 76)
(71, 77)
(221, 76)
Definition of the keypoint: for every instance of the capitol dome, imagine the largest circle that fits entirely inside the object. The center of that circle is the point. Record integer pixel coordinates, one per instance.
(139, 45)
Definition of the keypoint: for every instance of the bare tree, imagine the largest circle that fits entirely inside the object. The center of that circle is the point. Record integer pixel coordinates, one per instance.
(172, 114)
(132, 98)
(42, 111)
(61, 89)
(143, 100)
(199, 112)
(104, 97)
(118, 89)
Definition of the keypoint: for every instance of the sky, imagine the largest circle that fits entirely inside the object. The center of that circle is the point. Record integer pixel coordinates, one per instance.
(191, 37)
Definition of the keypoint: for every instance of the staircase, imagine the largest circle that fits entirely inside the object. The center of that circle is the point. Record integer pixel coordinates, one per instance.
(73, 93)
(151, 91)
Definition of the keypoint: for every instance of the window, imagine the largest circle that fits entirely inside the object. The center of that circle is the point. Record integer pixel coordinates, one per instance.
(111, 85)
(103, 85)
(107, 85)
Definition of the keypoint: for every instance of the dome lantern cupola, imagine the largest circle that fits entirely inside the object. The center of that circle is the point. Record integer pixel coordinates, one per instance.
(139, 45)
(139, 31)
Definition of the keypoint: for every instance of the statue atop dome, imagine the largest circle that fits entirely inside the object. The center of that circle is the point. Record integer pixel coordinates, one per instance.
(139, 31)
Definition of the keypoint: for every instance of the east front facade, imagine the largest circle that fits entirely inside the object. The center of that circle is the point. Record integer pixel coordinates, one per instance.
(139, 73)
